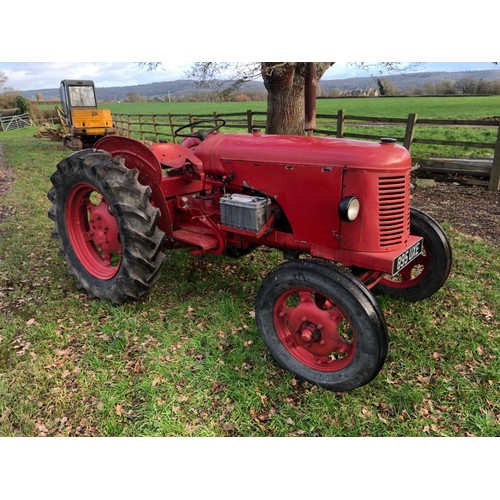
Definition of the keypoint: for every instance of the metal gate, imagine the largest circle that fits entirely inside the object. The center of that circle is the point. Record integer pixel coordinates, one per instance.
(15, 122)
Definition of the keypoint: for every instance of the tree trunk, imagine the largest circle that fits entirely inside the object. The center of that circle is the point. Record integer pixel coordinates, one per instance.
(285, 84)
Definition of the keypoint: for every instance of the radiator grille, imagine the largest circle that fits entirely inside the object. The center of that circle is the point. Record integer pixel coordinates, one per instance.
(393, 210)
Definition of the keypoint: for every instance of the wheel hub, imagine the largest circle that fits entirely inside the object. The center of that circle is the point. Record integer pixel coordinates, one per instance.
(309, 332)
(314, 330)
(93, 231)
(103, 229)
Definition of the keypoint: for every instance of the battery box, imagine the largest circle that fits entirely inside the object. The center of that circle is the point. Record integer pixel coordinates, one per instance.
(244, 212)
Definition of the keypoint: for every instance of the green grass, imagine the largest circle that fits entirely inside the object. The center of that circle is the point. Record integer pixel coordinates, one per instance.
(480, 107)
(400, 107)
(187, 360)
(425, 107)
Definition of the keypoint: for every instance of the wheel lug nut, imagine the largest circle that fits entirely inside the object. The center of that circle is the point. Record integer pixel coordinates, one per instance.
(306, 335)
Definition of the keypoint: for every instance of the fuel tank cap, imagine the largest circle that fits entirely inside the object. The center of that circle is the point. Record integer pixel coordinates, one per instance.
(388, 140)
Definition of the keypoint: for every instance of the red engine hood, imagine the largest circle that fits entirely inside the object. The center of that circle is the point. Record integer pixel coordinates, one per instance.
(256, 148)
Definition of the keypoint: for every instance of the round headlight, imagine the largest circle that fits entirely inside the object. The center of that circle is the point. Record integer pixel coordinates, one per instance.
(349, 208)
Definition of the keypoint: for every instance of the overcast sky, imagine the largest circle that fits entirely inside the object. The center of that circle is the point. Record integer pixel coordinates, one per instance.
(45, 75)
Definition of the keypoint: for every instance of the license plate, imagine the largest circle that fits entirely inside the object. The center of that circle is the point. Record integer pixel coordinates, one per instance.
(407, 256)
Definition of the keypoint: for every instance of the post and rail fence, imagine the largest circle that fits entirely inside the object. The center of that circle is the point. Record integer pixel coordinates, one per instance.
(161, 127)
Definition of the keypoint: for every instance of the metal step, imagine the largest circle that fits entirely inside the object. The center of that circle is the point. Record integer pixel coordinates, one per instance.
(197, 236)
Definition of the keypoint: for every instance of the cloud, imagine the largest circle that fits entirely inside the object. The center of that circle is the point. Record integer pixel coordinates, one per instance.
(44, 75)
(47, 75)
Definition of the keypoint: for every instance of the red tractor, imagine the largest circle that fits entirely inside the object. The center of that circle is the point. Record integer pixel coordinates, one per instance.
(343, 205)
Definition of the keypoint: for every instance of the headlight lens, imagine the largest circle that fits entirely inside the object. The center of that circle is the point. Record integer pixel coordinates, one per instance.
(349, 208)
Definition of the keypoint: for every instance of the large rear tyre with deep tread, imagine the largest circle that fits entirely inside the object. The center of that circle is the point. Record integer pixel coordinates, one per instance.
(106, 226)
(322, 324)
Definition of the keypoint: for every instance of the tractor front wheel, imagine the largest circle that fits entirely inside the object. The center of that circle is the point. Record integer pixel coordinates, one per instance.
(106, 226)
(322, 324)
(425, 275)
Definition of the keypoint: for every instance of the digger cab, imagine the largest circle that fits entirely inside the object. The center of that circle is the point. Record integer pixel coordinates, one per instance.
(83, 121)
(77, 95)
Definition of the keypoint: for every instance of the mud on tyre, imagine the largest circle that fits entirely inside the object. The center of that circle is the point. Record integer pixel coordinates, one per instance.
(106, 226)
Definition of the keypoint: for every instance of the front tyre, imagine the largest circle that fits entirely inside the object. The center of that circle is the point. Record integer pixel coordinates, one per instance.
(425, 275)
(321, 324)
(106, 226)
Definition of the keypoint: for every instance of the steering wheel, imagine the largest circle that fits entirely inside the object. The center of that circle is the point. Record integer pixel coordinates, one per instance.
(200, 134)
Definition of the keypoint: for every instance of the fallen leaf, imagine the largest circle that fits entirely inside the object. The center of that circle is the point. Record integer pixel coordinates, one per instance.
(118, 410)
(31, 322)
(366, 412)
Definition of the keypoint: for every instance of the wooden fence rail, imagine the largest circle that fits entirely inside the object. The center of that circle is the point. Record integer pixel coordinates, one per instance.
(161, 127)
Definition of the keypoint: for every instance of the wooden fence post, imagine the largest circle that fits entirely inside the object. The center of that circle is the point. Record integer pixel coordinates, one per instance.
(155, 128)
(141, 126)
(249, 121)
(410, 130)
(494, 184)
(340, 123)
(171, 121)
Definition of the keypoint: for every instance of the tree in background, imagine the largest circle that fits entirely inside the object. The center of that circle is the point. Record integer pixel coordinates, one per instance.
(22, 104)
(3, 79)
(285, 83)
(386, 88)
(135, 97)
(7, 95)
(286, 86)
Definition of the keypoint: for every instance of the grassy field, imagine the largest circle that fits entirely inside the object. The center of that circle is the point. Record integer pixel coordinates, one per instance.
(424, 107)
(187, 360)
(481, 107)
(400, 107)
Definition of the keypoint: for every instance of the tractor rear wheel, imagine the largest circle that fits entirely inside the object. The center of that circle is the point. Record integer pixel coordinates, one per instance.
(425, 275)
(106, 226)
(322, 324)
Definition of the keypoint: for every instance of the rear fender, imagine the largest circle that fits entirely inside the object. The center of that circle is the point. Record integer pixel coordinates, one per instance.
(139, 156)
(174, 155)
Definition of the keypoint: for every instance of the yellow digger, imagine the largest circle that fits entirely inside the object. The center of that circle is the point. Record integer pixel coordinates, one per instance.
(82, 122)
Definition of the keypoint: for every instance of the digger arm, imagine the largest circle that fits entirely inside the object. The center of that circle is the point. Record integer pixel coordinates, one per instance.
(63, 120)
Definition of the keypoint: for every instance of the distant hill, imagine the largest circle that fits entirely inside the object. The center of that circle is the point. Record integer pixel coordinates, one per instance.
(407, 81)
(185, 88)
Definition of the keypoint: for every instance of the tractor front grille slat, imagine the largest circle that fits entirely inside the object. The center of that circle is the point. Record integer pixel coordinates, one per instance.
(393, 212)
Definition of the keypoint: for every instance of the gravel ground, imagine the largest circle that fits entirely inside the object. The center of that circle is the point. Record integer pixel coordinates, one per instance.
(472, 210)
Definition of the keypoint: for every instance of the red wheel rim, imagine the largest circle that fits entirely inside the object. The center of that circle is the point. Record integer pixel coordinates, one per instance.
(93, 231)
(411, 275)
(314, 330)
